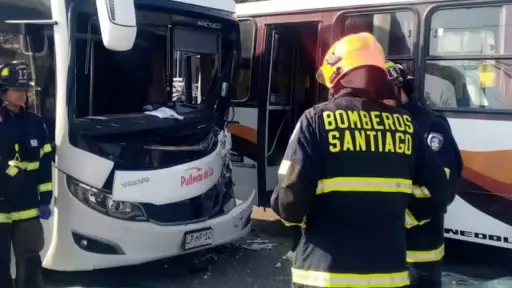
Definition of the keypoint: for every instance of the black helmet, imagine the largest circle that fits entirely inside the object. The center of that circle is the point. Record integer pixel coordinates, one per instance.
(15, 74)
(400, 77)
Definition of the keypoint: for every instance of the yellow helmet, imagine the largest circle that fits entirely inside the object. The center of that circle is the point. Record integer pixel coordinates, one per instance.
(350, 52)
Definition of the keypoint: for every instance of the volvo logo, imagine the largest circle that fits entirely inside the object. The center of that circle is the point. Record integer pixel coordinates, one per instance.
(135, 182)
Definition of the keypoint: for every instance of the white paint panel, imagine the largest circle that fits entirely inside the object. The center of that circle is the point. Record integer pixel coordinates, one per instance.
(462, 216)
(226, 5)
(169, 185)
(482, 135)
(84, 166)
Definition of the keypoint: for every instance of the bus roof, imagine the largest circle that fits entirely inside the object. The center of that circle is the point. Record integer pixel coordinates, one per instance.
(225, 5)
(293, 6)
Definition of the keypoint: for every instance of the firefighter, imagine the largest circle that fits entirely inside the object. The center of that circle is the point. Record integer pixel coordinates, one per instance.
(26, 189)
(347, 175)
(425, 246)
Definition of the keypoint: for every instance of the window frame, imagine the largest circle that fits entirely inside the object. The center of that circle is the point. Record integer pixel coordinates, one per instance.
(248, 98)
(335, 32)
(425, 54)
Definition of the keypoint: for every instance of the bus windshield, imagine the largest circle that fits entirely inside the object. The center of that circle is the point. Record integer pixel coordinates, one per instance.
(168, 64)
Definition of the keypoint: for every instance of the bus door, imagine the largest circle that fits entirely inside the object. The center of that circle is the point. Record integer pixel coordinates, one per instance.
(284, 88)
(280, 65)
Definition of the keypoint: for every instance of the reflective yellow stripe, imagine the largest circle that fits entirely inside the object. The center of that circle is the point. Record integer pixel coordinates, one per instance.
(425, 256)
(12, 171)
(420, 192)
(30, 166)
(26, 214)
(288, 224)
(410, 220)
(17, 150)
(364, 184)
(47, 148)
(447, 170)
(325, 279)
(46, 187)
(5, 218)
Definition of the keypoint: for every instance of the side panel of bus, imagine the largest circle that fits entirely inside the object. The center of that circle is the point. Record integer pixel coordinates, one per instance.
(464, 71)
(243, 123)
(468, 76)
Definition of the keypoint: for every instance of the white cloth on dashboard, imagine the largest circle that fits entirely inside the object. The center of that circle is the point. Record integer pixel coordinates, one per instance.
(164, 112)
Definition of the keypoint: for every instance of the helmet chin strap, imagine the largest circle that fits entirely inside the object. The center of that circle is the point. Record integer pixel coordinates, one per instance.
(398, 95)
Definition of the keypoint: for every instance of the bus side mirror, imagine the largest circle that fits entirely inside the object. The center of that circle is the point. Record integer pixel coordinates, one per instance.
(117, 23)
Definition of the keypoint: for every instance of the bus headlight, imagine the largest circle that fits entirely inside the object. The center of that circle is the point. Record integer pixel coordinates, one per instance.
(102, 202)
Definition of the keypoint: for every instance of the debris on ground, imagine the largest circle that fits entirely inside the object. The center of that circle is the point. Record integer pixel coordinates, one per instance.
(258, 244)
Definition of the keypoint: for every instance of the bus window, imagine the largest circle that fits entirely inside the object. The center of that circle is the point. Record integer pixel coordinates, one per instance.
(394, 31)
(473, 80)
(247, 36)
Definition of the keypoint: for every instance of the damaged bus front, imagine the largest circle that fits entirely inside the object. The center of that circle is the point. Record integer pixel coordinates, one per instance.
(141, 95)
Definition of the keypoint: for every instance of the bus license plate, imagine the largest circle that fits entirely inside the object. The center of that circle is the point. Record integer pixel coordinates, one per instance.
(198, 238)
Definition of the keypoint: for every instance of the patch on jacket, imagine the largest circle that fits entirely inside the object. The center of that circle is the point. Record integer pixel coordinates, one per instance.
(435, 141)
(34, 143)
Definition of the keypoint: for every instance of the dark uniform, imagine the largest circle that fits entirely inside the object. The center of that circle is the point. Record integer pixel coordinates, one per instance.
(26, 189)
(348, 173)
(347, 181)
(425, 245)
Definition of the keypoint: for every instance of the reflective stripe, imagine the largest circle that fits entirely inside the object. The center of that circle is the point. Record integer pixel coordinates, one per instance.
(5, 218)
(288, 224)
(364, 184)
(12, 171)
(283, 168)
(325, 279)
(45, 187)
(47, 148)
(17, 150)
(425, 256)
(26, 214)
(420, 192)
(410, 220)
(447, 170)
(31, 165)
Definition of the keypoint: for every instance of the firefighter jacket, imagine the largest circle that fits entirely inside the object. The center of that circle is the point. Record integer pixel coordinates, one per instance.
(24, 190)
(346, 178)
(425, 241)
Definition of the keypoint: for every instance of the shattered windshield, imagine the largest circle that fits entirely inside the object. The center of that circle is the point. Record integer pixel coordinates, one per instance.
(196, 63)
(167, 64)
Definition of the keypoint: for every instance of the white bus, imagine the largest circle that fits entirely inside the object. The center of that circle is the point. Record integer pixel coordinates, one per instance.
(131, 187)
(459, 51)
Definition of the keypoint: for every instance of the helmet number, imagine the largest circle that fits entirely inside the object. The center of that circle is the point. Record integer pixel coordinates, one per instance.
(392, 73)
(22, 74)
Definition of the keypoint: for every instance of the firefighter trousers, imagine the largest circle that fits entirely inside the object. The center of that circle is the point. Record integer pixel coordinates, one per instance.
(27, 239)
(426, 275)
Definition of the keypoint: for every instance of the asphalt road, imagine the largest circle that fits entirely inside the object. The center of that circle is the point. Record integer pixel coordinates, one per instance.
(254, 262)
